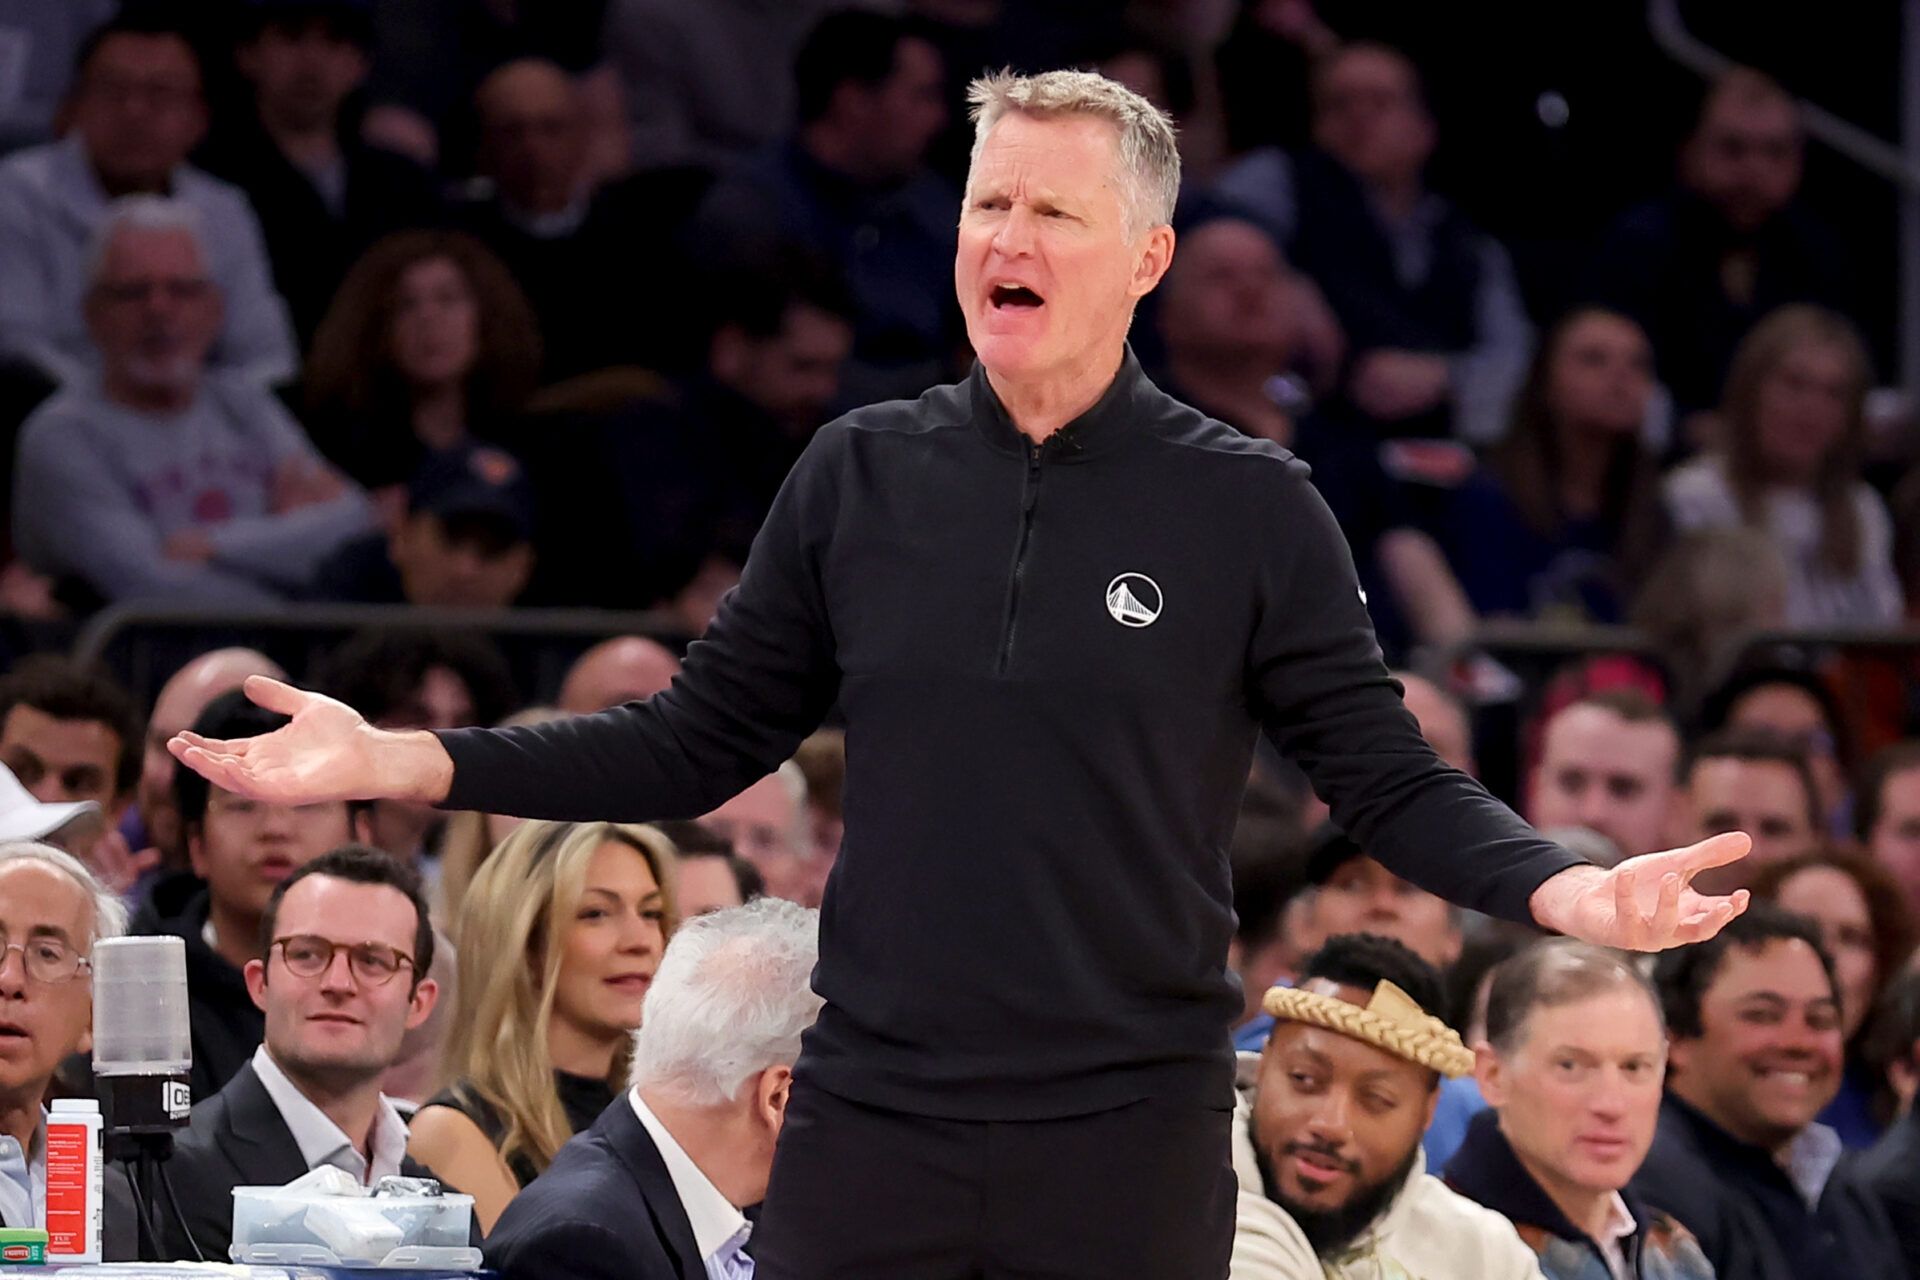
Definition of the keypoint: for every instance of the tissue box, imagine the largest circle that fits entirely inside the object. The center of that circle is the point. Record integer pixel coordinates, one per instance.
(304, 1226)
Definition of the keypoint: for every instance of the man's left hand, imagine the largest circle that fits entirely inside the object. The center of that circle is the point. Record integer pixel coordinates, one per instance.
(1646, 903)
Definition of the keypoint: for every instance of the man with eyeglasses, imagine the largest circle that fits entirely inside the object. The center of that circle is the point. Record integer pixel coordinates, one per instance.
(52, 911)
(342, 978)
(241, 850)
(164, 478)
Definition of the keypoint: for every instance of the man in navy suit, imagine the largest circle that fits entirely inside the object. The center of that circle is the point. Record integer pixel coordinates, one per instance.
(654, 1190)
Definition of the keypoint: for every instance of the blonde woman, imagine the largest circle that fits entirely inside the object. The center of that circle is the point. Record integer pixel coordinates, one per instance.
(566, 923)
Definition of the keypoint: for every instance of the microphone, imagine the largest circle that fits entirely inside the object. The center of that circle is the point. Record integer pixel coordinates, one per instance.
(142, 1039)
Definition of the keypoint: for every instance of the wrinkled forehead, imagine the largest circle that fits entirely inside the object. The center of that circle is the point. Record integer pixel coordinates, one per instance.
(35, 896)
(1065, 154)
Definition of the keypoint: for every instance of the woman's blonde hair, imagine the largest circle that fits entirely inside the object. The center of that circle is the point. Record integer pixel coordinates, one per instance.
(468, 841)
(520, 901)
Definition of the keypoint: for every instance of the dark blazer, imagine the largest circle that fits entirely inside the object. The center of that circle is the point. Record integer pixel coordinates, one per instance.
(236, 1138)
(605, 1209)
(1891, 1171)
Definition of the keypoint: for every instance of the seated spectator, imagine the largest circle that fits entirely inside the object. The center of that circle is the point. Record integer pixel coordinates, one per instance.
(345, 973)
(240, 851)
(583, 254)
(1572, 1065)
(470, 838)
(709, 875)
(161, 479)
(1789, 463)
(1753, 1016)
(322, 194)
(1748, 781)
(638, 500)
(1265, 856)
(706, 84)
(1698, 267)
(1565, 519)
(1326, 1142)
(564, 926)
(657, 1185)
(156, 824)
(1443, 720)
(1890, 1169)
(427, 346)
(767, 825)
(134, 112)
(1869, 933)
(1229, 315)
(1349, 892)
(1886, 815)
(466, 541)
(623, 669)
(53, 30)
(1704, 597)
(52, 911)
(1438, 337)
(1610, 762)
(852, 187)
(1796, 706)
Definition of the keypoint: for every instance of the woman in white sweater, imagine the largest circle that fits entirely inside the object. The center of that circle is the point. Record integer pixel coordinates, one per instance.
(1790, 465)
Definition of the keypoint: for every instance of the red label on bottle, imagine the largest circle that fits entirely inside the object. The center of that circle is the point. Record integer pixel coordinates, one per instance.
(67, 1189)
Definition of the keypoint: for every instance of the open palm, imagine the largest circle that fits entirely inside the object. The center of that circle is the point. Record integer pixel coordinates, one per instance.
(325, 753)
(1648, 903)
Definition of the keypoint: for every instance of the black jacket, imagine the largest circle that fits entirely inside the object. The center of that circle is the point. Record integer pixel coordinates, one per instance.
(236, 1138)
(227, 1026)
(1053, 662)
(1750, 1220)
(1891, 1171)
(605, 1209)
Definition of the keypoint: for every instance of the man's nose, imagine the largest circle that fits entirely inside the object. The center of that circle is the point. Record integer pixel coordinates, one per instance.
(1015, 235)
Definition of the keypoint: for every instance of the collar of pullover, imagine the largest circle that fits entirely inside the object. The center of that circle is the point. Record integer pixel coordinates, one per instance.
(1106, 424)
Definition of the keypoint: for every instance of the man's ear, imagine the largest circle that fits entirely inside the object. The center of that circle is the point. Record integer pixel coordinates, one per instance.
(1490, 1074)
(425, 996)
(256, 977)
(197, 851)
(771, 1093)
(1156, 255)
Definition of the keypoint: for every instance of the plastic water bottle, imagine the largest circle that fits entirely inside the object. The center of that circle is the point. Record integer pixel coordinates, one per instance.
(74, 1191)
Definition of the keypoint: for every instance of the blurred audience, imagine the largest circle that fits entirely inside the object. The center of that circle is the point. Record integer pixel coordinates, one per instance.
(322, 194)
(1886, 815)
(343, 972)
(1348, 892)
(1796, 706)
(768, 825)
(563, 926)
(1892, 1169)
(1610, 762)
(1789, 460)
(623, 669)
(693, 1146)
(1572, 1064)
(162, 479)
(1752, 781)
(1755, 1053)
(1432, 314)
(709, 875)
(1699, 266)
(156, 824)
(135, 109)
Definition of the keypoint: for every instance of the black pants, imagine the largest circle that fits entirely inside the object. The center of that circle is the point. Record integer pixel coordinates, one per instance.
(1144, 1192)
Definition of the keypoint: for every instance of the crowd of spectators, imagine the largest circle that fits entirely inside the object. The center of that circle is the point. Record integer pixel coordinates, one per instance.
(477, 306)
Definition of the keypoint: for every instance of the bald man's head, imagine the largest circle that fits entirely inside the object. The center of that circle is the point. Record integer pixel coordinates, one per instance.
(1443, 720)
(533, 136)
(180, 703)
(623, 669)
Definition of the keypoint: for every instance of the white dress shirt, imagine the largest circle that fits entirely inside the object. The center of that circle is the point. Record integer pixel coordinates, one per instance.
(719, 1228)
(23, 1179)
(1619, 1228)
(321, 1141)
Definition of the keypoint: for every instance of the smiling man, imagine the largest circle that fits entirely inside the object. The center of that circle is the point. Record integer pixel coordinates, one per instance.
(1056, 607)
(347, 949)
(1756, 1053)
(1327, 1142)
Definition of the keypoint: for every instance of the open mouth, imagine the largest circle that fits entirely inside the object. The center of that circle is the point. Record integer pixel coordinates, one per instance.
(13, 1033)
(631, 983)
(1014, 297)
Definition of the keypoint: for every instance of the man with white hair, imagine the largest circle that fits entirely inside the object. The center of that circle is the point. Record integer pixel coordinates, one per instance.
(52, 911)
(158, 480)
(654, 1190)
(1055, 607)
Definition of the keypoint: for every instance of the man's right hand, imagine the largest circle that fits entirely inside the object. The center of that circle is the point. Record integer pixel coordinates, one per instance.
(328, 752)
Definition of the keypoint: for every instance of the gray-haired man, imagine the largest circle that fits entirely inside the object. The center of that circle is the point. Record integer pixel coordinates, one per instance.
(654, 1190)
(160, 479)
(1055, 606)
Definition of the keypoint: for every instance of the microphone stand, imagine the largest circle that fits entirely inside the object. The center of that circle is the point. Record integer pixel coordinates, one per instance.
(141, 1114)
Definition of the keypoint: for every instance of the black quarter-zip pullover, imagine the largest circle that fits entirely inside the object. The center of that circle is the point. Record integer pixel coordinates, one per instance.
(1053, 661)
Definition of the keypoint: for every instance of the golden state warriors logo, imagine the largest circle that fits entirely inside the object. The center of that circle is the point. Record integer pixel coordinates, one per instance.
(1134, 600)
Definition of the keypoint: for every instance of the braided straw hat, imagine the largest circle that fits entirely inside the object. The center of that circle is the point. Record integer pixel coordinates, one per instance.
(1390, 1021)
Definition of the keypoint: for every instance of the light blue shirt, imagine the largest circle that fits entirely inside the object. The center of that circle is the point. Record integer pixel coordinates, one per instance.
(23, 1179)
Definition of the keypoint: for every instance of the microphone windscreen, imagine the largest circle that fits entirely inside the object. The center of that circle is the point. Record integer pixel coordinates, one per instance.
(140, 1018)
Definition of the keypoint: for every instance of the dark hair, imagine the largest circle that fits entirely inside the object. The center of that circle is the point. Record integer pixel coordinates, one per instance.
(361, 864)
(1633, 705)
(1482, 951)
(343, 19)
(378, 672)
(1268, 862)
(1895, 1024)
(696, 840)
(1760, 746)
(1324, 65)
(1530, 465)
(846, 45)
(1870, 796)
(1365, 960)
(1682, 975)
(1553, 972)
(756, 293)
(58, 686)
(1719, 705)
(135, 19)
(231, 715)
(1887, 912)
